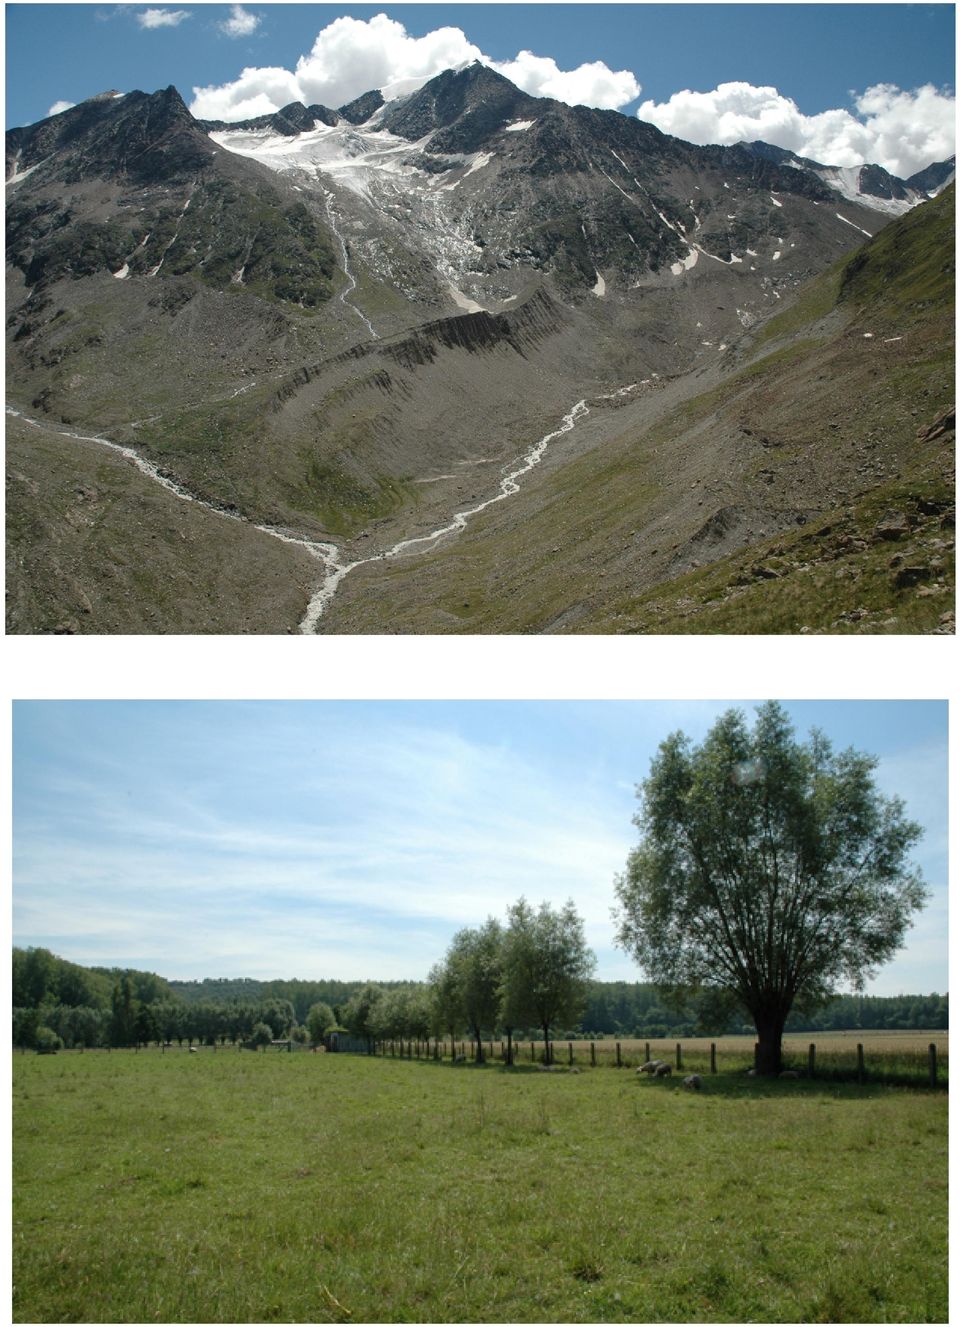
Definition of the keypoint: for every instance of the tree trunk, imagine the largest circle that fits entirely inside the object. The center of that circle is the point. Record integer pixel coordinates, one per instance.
(546, 1043)
(479, 1046)
(509, 1046)
(769, 1023)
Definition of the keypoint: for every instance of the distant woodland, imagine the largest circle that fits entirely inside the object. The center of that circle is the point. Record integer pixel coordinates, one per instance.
(94, 1006)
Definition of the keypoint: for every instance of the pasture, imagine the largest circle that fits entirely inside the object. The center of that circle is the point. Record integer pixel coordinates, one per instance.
(234, 1187)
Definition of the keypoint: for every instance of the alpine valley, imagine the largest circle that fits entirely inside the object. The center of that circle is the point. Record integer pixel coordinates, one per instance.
(469, 361)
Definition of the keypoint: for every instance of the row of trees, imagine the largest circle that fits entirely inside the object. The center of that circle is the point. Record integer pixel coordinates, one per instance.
(531, 972)
(416, 1010)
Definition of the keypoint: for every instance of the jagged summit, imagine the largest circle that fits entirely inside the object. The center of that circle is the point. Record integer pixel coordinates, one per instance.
(468, 104)
(140, 135)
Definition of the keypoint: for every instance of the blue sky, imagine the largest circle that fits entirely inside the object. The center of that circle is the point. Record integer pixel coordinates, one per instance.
(351, 839)
(788, 65)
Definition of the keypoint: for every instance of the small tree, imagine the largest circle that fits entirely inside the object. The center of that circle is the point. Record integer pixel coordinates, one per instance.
(546, 967)
(445, 1001)
(262, 1035)
(359, 1015)
(319, 1019)
(47, 1041)
(474, 960)
(123, 1013)
(767, 869)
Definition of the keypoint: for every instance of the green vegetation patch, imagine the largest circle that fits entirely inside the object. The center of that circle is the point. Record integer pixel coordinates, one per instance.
(229, 235)
(339, 500)
(241, 1187)
(835, 576)
(909, 267)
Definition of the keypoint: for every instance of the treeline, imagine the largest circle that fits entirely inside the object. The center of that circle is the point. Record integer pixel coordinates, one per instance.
(639, 1009)
(56, 1002)
(303, 995)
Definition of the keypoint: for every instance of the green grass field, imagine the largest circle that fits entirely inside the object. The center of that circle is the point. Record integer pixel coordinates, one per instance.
(232, 1187)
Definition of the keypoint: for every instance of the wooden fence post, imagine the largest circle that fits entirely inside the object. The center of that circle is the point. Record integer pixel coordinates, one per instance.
(811, 1059)
(593, 1054)
(532, 1054)
(713, 1057)
(570, 1047)
(646, 1058)
(933, 1063)
(859, 1061)
(618, 1055)
(679, 1060)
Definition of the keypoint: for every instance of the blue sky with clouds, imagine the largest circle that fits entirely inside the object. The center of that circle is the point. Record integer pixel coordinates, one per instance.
(351, 839)
(843, 83)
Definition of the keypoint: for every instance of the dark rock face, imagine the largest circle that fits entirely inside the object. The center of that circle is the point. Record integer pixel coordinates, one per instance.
(360, 110)
(879, 183)
(139, 137)
(469, 104)
(289, 121)
(174, 203)
(934, 177)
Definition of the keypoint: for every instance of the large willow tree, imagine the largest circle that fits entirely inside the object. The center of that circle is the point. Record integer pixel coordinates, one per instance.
(769, 869)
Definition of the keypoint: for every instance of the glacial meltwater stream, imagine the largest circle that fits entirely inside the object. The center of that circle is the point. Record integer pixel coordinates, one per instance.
(328, 555)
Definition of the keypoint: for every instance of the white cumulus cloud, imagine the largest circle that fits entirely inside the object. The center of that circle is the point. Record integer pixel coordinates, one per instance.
(590, 84)
(350, 56)
(240, 23)
(902, 131)
(59, 106)
(161, 18)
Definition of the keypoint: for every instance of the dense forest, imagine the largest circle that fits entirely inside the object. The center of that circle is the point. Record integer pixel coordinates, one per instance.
(80, 1006)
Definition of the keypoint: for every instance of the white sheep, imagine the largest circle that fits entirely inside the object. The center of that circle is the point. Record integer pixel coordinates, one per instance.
(650, 1067)
(662, 1071)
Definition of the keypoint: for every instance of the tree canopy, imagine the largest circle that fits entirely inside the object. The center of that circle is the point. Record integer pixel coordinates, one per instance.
(767, 868)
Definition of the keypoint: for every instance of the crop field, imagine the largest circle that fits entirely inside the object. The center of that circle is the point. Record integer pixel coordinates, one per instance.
(239, 1187)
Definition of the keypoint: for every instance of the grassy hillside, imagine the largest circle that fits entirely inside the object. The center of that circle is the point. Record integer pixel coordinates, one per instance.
(95, 547)
(233, 1187)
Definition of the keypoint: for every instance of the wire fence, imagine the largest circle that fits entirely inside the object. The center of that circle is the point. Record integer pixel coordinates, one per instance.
(842, 1059)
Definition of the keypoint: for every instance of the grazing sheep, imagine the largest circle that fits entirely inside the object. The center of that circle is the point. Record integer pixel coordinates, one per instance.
(650, 1067)
(789, 1073)
(662, 1071)
(193, 1050)
(459, 1059)
(693, 1082)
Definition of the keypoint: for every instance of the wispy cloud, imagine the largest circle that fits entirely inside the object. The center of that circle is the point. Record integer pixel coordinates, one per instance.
(59, 106)
(161, 18)
(354, 839)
